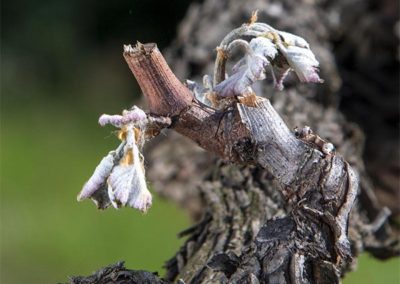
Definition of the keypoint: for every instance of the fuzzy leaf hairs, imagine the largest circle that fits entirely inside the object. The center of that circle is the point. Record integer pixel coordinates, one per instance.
(266, 51)
(119, 179)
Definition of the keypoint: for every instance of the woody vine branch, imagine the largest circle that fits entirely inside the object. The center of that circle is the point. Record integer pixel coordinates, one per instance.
(227, 118)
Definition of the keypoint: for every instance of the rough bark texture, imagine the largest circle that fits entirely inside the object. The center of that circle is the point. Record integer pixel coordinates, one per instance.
(358, 51)
(117, 273)
(258, 224)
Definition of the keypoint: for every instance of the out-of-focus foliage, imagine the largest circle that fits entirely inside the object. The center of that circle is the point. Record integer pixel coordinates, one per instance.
(62, 66)
(48, 152)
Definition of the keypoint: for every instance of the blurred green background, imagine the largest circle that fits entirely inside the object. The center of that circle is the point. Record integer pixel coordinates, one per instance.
(61, 67)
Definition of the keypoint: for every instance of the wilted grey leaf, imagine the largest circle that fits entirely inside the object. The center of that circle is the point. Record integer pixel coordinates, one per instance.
(101, 173)
(303, 62)
(269, 52)
(119, 178)
(127, 184)
(127, 187)
(264, 47)
(258, 55)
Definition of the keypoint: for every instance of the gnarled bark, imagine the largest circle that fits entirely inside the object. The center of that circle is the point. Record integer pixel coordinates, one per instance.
(319, 185)
(260, 223)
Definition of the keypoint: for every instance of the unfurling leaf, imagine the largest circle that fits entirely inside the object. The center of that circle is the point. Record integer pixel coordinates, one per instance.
(299, 56)
(249, 70)
(119, 179)
(99, 177)
(127, 183)
(269, 52)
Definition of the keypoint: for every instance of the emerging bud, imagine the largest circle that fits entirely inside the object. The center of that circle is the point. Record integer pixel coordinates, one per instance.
(267, 51)
(119, 179)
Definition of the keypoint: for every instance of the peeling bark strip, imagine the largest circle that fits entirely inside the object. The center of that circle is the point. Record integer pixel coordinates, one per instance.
(321, 187)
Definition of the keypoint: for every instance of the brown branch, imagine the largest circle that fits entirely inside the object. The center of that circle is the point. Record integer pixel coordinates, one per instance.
(320, 185)
(165, 94)
(251, 232)
(226, 133)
